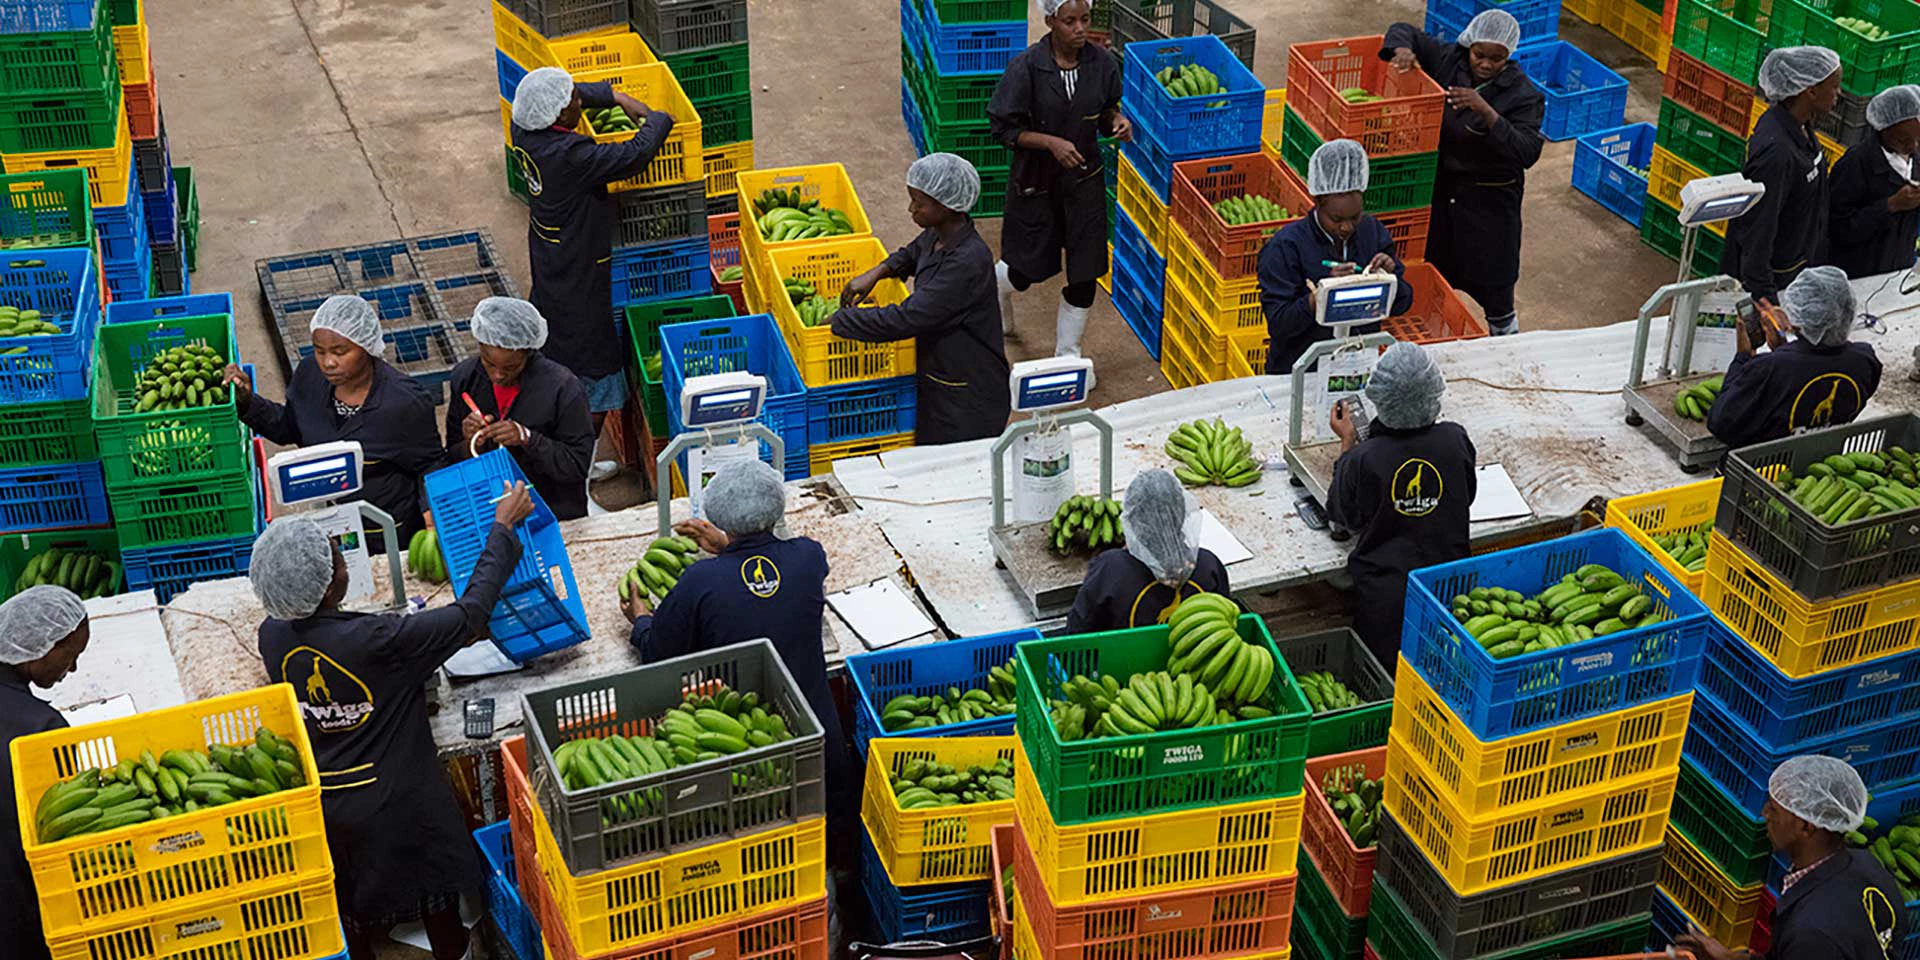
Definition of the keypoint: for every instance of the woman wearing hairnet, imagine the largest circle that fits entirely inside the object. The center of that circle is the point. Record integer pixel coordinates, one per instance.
(1054, 102)
(1817, 380)
(527, 403)
(399, 843)
(1873, 199)
(951, 315)
(1489, 137)
(345, 391)
(43, 632)
(1837, 902)
(1336, 231)
(1163, 562)
(1787, 230)
(1404, 491)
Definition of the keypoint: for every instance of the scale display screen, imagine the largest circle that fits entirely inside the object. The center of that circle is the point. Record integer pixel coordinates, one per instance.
(1723, 208)
(723, 406)
(1362, 303)
(321, 479)
(1052, 390)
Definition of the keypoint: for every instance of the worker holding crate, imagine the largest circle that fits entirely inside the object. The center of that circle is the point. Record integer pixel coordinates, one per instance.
(1815, 381)
(400, 847)
(1786, 231)
(1162, 564)
(1489, 137)
(1873, 199)
(43, 632)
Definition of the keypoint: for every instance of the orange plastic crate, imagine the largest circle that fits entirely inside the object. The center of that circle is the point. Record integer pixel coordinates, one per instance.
(1407, 118)
(723, 251)
(1408, 228)
(1233, 251)
(1346, 868)
(1716, 97)
(143, 107)
(1437, 314)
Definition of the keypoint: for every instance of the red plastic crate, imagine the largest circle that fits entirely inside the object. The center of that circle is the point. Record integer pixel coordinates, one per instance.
(723, 246)
(1438, 315)
(1716, 97)
(1234, 251)
(1407, 118)
(1347, 869)
(143, 108)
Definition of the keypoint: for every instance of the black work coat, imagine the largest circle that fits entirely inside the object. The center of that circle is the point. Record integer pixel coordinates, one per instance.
(560, 436)
(1847, 908)
(1050, 208)
(1863, 236)
(570, 231)
(393, 827)
(1787, 229)
(1796, 387)
(1406, 495)
(1475, 234)
(1120, 592)
(1295, 254)
(394, 426)
(21, 714)
(953, 314)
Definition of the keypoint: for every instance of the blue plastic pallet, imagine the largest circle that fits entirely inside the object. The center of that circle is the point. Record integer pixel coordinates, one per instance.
(53, 496)
(1582, 94)
(510, 76)
(540, 609)
(511, 916)
(1140, 303)
(856, 411)
(661, 271)
(1785, 714)
(62, 285)
(946, 912)
(166, 308)
(967, 48)
(1217, 124)
(122, 228)
(1607, 166)
(171, 570)
(1885, 753)
(1539, 19)
(879, 677)
(751, 343)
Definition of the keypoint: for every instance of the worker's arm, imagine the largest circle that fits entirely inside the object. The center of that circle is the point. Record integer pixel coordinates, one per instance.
(901, 264)
(1405, 36)
(1855, 206)
(1084, 616)
(1755, 231)
(1009, 112)
(1403, 291)
(1515, 134)
(933, 305)
(423, 641)
(606, 163)
(566, 453)
(274, 421)
(1284, 295)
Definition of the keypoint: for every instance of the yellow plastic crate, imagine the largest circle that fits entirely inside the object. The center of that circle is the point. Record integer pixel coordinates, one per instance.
(1639, 28)
(506, 121)
(1138, 202)
(190, 862)
(1026, 945)
(1801, 637)
(520, 42)
(1645, 516)
(824, 359)
(288, 922)
(722, 165)
(1271, 120)
(108, 168)
(1666, 174)
(938, 844)
(679, 159)
(825, 182)
(1708, 897)
(1588, 10)
(600, 51)
(1177, 364)
(1225, 307)
(1106, 279)
(1828, 145)
(1572, 758)
(1182, 850)
(821, 456)
(130, 47)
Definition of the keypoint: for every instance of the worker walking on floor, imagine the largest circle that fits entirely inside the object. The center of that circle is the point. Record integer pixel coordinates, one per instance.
(1054, 102)
(1404, 490)
(1489, 138)
(43, 632)
(1817, 380)
(1786, 231)
(1162, 564)
(952, 315)
(1873, 197)
(1335, 239)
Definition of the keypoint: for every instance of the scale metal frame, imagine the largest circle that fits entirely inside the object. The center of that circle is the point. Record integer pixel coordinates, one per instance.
(739, 427)
(1046, 582)
(1306, 464)
(330, 515)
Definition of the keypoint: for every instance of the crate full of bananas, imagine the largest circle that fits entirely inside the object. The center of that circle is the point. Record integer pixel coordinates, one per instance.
(962, 687)
(930, 805)
(1085, 524)
(783, 214)
(85, 572)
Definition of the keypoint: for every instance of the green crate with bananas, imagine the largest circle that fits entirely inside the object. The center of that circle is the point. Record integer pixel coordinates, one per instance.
(1350, 693)
(84, 561)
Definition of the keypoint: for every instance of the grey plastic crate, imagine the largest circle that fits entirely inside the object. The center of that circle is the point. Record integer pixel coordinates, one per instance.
(661, 214)
(1133, 21)
(1847, 122)
(682, 26)
(554, 19)
(1815, 560)
(687, 806)
(1341, 653)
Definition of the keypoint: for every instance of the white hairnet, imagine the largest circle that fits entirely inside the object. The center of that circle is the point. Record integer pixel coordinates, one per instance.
(1892, 105)
(540, 97)
(509, 324)
(1492, 26)
(744, 498)
(350, 317)
(292, 567)
(1406, 387)
(950, 180)
(1154, 519)
(1338, 166)
(1823, 791)
(1051, 7)
(36, 619)
(1819, 302)
(1793, 70)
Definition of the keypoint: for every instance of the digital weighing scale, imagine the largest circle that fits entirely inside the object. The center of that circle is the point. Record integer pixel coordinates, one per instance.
(1340, 303)
(719, 411)
(1047, 389)
(312, 481)
(1650, 403)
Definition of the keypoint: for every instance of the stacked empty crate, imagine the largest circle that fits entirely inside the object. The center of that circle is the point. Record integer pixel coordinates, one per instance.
(704, 43)
(952, 53)
(1582, 95)
(166, 200)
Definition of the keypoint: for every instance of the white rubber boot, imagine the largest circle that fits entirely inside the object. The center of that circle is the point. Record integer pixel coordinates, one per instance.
(1006, 297)
(1068, 326)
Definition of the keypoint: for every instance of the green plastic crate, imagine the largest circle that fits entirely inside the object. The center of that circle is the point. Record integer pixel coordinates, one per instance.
(644, 321)
(1723, 34)
(162, 446)
(1394, 934)
(1736, 841)
(1699, 141)
(35, 433)
(46, 208)
(187, 202)
(123, 13)
(711, 74)
(725, 120)
(1341, 653)
(516, 184)
(67, 122)
(16, 549)
(1660, 229)
(1318, 916)
(1105, 778)
(971, 142)
(953, 12)
(951, 100)
(173, 513)
(1868, 66)
(55, 63)
(993, 196)
(1393, 183)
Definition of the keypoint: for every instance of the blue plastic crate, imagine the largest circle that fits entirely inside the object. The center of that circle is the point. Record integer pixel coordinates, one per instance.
(1141, 305)
(661, 271)
(1669, 922)
(540, 610)
(1885, 753)
(1213, 125)
(969, 48)
(1150, 159)
(162, 215)
(1130, 241)
(1503, 698)
(1608, 165)
(1783, 714)
(881, 676)
(1582, 94)
(171, 570)
(511, 916)
(166, 308)
(751, 343)
(856, 411)
(122, 228)
(946, 912)
(129, 278)
(62, 285)
(510, 76)
(50, 16)
(53, 496)
(1539, 19)
(910, 115)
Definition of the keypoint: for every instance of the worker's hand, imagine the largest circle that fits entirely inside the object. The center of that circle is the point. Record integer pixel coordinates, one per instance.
(1381, 263)
(1906, 198)
(504, 433)
(859, 289)
(1403, 59)
(241, 383)
(709, 537)
(516, 505)
(1065, 153)
(472, 424)
(1122, 127)
(1742, 344)
(634, 107)
(1467, 98)
(1703, 946)
(1773, 324)
(1342, 270)
(636, 605)
(1341, 425)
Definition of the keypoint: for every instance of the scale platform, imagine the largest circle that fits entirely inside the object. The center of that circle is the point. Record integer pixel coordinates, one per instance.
(1312, 466)
(1651, 405)
(1046, 580)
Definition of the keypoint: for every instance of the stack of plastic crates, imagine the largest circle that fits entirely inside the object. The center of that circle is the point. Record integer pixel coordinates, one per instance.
(573, 35)
(952, 53)
(745, 344)
(165, 263)
(644, 366)
(1118, 852)
(704, 44)
(1816, 650)
(722, 856)
(1135, 21)
(1526, 798)
(1610, 166)
(50, 476)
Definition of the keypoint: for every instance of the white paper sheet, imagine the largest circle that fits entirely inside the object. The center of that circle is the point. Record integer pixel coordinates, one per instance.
(1496, 498)
(1216, 537)
(478, 660)
(116, 708)
(880, 614)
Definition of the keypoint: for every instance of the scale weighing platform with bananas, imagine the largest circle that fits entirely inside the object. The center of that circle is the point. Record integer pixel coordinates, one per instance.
(1047, 389)
(1340, 368)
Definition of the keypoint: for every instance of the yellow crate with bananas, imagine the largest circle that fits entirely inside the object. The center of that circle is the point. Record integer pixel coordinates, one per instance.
(1663, 513)
(824, 188)
(920, 835)
(1800, 636)
(1708, 896)
(291, 921)
(680, 158)
(826, 267)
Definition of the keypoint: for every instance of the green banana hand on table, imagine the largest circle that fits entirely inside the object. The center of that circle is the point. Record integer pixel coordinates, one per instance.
(1209, 452)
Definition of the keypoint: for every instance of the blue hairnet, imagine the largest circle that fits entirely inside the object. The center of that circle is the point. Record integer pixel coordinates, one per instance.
(509, 324)
(292, 568)
(540, 98)
(1819, 302)
(745, 498)
(1823, 791)
(1406, 387)
(36, 619)
(350, 317)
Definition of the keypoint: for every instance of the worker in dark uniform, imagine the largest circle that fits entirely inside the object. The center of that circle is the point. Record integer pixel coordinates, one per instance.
(1335, 239)
(1489, 137)
(1404, 491)
(952, 314)
(43, 632)
(1817, 380)
(1787, 229)
(1162, 564)
(529, 404)
(1054, 102)
(393, 827)
(1837, 902)
(570, 222)
(345, 391)
(1873, 198)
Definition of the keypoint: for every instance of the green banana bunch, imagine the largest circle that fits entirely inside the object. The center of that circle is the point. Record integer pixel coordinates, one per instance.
(1209, 451)
(815, 310)
(424, 559)
(1355, 799)
(1085, 523)
(652, 366)
(612, 120)
(82, 571)
(1846, 487)
(1898, 849)
(1249, 209)
(919, 711)
(798, 290)
(1688, 547)
(1694, 402)
(659, 568)
(1592, 601)
(785, 215)
(1189, 80)
(180, 377)
(1326, 693)
(15, 322)
(918, 784)
(1360, 95)
(732, 274)
(1865, 28)
(179, 781)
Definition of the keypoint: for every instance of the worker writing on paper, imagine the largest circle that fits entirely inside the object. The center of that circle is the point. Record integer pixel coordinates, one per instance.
(1873, 199)
(1816, 380)
(43, 632)
(1787, 230)
(1162, 564)
(1405, 490)
(1335, 239)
